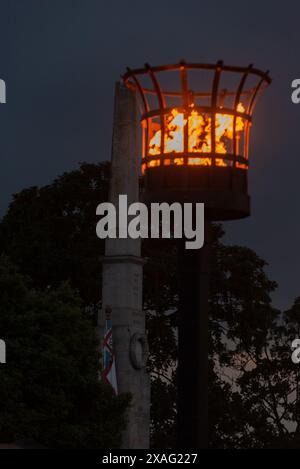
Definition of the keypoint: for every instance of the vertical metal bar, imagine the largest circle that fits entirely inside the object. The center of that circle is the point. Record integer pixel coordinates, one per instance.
(236, 103)
(214, 105)
(185, 98)
(252, 102)
(147, 109)
(162, 106)
(139, 87)
(222, 97)
(251, 106)
(246, 141)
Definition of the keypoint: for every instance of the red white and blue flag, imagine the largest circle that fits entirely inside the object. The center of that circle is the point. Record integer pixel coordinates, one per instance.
(108, 355)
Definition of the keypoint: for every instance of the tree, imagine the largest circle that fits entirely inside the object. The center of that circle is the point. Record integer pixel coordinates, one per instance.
(270, 386)
(160, 306)
(254, 397)
(241, 320)
(49, 232)
(241, 317)
(49, 388)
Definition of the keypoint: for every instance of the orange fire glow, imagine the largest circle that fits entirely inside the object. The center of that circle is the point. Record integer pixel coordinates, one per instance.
(199, 136)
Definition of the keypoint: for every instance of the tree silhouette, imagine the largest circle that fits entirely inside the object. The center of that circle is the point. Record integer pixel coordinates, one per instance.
(49, 388)
(49, 233)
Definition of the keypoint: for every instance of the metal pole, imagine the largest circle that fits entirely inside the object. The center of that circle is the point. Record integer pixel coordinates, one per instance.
(192, 405)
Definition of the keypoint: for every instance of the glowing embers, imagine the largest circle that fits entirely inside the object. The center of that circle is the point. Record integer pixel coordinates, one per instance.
(199, 137)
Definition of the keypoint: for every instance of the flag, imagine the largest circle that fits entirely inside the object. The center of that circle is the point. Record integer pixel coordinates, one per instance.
(108, 354)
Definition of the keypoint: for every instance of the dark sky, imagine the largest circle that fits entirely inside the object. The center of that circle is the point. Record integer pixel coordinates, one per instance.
(60, 59)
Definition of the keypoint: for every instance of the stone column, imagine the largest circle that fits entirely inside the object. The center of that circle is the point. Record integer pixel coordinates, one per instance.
(123, 276)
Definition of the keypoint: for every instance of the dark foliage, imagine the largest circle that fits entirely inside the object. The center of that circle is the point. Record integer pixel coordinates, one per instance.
(50, 391)
(254, 398)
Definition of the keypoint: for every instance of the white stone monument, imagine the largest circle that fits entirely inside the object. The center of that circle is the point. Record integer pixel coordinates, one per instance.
(123, 277)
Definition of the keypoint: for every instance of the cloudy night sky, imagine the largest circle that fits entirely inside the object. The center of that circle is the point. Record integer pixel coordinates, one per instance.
(60, 60)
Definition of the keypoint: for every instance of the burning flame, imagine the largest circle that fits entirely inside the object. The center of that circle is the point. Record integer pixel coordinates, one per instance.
(199, 136)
